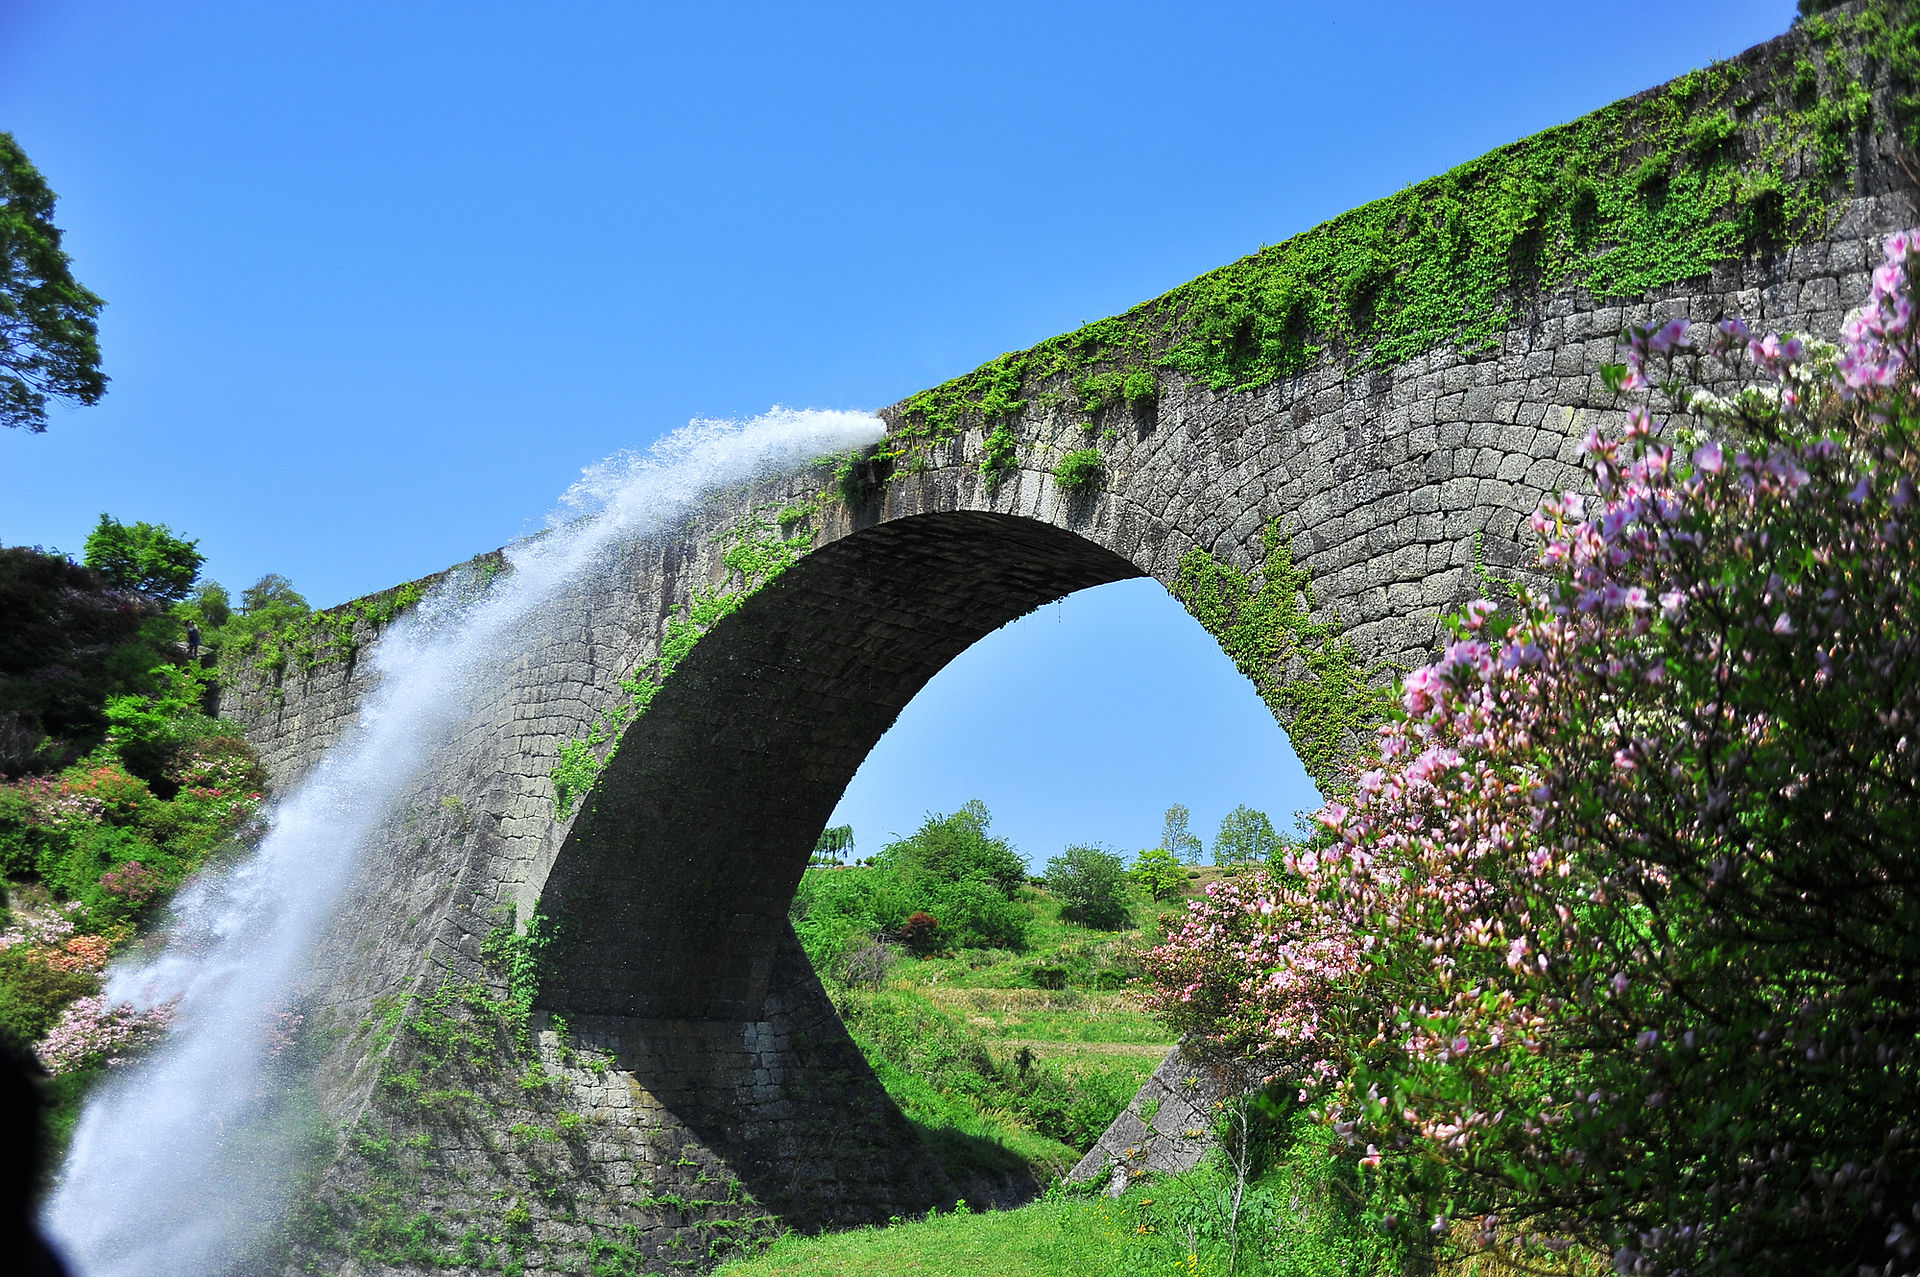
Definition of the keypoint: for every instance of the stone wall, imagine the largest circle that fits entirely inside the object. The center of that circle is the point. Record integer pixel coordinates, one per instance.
(678, 1041)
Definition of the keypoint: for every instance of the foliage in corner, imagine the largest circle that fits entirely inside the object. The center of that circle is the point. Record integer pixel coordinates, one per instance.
(1612, 942)
(49, 322)
(1308, 675)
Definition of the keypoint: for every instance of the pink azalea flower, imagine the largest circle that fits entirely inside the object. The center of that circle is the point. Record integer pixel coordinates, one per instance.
(1671, 335)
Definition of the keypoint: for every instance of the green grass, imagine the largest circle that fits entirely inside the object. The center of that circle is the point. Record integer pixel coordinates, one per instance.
(1299, 1218)
(1056, 1235)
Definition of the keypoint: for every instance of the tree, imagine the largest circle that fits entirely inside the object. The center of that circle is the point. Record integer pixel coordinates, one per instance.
(832, 844)
(1181, 842)
(211, 603)
(146, 557)
(1092, 884)
(272, 593)
(1160, 873)
(49, 330)
(1619, 939)
(948, 849)
(1246, 837)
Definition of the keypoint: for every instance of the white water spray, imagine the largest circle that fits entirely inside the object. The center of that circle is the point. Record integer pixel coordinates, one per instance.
(179, 1166)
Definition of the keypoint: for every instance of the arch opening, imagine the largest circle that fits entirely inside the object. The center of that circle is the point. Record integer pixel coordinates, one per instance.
(698, 830)
(1082, 723)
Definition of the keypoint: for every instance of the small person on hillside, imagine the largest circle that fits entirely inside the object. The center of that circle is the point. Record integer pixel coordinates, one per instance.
(193, 641)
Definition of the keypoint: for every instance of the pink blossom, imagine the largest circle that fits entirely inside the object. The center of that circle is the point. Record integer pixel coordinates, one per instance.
(1671, 335)
(90, 1030)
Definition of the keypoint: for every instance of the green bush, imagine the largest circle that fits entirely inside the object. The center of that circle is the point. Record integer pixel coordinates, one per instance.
(32, 994)
(975, 914)
(146, 730)
(20, 839)
(1140, 385)
(1047, 976)
(1079, 470)
(1160, 873)
(1092, 885)
(947, 849)
(72, 871)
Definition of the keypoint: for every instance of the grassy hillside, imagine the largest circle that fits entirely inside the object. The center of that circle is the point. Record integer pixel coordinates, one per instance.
(1012, 1059)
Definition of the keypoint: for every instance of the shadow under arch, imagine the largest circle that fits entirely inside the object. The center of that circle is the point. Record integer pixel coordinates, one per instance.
(673, 884)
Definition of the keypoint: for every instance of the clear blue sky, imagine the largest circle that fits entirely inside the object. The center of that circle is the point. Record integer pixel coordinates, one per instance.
(382, 278)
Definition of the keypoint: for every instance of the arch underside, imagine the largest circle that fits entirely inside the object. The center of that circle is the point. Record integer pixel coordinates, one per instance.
(675, 880)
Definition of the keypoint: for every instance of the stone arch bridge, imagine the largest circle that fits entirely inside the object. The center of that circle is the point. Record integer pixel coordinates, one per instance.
(693, 1082)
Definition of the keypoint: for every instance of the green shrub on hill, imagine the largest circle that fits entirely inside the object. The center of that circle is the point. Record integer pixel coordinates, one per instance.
(950, 848)
(1092, 886)
(1159, 873)
(949, 870)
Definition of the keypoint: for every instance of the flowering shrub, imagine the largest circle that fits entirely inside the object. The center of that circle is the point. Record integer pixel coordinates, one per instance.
(1619, 939)
(220, 781)
(132, 881)
(91, 1031)
(47, 927)
(51, 805)
(105, 792)
(81, 953)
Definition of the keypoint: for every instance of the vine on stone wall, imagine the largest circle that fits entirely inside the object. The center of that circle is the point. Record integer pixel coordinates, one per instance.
(759, 553)
(462, 1068)
(1719, 164)
(1308, 675)
(304, 642)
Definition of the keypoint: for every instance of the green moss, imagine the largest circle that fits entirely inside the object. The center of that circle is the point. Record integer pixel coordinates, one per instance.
(1646, 192)
(1310, 677)
(1080, 470)
(1001, 457)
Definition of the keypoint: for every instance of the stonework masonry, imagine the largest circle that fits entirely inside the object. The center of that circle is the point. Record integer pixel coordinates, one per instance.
(690, 1081)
